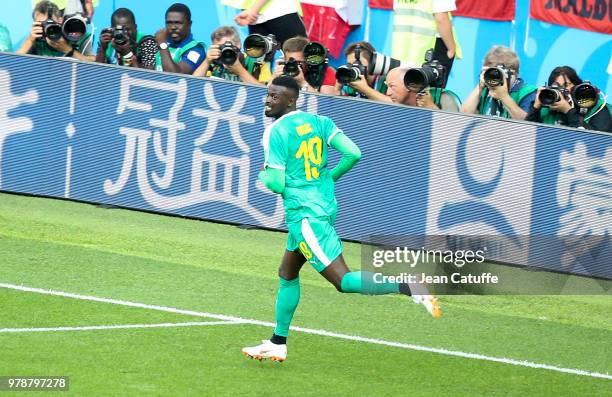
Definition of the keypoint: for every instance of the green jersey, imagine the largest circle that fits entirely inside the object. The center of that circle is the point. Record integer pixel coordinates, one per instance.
(298, 143)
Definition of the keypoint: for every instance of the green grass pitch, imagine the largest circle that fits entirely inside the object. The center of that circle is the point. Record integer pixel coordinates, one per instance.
(211, 268)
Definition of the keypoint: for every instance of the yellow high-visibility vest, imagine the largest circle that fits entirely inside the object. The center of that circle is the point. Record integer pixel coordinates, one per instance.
(414, 30)
(244, 4)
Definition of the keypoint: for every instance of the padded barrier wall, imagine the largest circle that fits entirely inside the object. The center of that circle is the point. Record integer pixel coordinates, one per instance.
(192, 146)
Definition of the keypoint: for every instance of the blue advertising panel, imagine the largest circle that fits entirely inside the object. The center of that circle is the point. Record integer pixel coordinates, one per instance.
(192, 146)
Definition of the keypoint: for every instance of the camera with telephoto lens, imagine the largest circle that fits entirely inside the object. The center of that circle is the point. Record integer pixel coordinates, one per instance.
(381, 64)
(430, 74)
(553, 94)
(495, 76)
(74, 27)
(291, 67)
(352, 71)
(585, 95)
(315, 54)
(51, 30)
(258, 46)
(229, 53)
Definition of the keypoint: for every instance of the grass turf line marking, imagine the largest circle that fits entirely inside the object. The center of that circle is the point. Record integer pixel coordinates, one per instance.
(121, 326)
(454, 353)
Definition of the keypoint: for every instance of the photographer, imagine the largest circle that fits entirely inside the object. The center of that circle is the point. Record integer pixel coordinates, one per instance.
(50, 35)
(500, 92)
(366, 85)
(559, 103)
(307, 63)
(224, 60)
(178, 51)
(124, 45)
(424, 97)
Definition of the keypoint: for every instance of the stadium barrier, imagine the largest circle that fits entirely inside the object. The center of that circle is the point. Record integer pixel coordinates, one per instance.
(192, 147)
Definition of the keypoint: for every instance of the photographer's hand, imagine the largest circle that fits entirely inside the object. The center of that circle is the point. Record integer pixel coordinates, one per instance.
(238, 69)
(123, 49)
(562, 106)
(361, 85)
(60, 45)
(537, 104)
(105, 39)
(500, 92)
(279, 68)
(35, 33)
(424, 100)
(213, 54)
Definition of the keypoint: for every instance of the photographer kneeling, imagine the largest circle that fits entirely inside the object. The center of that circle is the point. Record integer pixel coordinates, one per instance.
(306, 61)
(225, 60)
(55, 36)
(569, 101)
(124, 45)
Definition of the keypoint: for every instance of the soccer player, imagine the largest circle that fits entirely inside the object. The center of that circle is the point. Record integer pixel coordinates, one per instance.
(295, 166)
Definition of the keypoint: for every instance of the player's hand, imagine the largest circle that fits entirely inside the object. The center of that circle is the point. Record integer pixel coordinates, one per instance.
(213, 53)
(424, 100)
(36, 32)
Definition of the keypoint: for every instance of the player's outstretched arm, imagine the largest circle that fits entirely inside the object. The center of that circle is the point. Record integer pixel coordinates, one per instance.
(273, 179)
(350, 155)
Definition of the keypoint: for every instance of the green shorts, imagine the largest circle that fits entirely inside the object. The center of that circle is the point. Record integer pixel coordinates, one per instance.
(317, 241)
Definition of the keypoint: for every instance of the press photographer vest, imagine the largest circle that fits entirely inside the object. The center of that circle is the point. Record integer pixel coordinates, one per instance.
(244, 4)
(436, 95)
(415, 30)
(176, 53)
(517, 97)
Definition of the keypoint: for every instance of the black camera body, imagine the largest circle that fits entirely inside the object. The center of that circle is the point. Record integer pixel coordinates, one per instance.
(118, 34)
(352, 71)
(229, 53)
(553, 94)
(496, 75)
(430, 74)
(51, 30)
(291, 67)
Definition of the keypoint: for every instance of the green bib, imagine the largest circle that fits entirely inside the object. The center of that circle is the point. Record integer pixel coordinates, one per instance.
(176, 53)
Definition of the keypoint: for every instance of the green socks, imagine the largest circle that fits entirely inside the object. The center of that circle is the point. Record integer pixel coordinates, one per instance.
(363, 282)
(287, 301)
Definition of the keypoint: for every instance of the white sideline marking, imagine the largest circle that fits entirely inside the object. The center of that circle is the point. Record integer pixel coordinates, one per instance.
(455, 353)
(122, 326)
